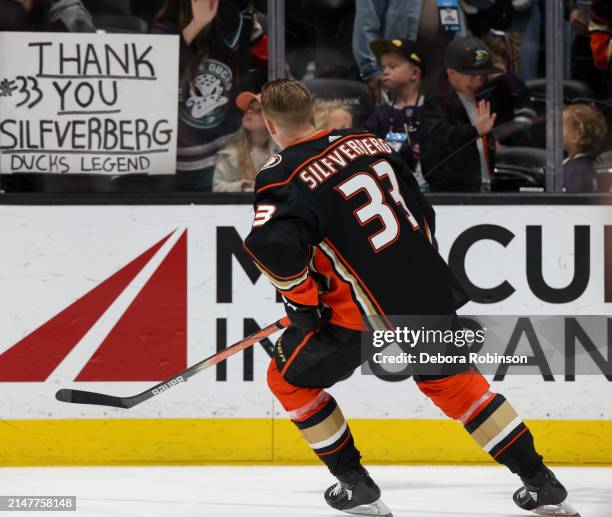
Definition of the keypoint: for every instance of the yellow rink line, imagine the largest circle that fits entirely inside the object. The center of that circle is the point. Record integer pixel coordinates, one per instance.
(267, 441)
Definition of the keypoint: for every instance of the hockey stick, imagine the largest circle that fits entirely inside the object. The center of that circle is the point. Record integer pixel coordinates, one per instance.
(100, 399)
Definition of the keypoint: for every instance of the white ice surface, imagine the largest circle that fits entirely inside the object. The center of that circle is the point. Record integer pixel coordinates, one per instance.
(292, 491)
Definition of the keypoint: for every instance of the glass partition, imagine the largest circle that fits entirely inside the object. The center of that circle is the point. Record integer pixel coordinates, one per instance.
(464, 90)
(587, 110)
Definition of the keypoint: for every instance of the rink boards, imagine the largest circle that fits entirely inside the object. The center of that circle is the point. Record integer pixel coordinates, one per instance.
(116, 298)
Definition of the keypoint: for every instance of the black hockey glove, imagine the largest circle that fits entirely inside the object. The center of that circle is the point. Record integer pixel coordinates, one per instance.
(306, 317)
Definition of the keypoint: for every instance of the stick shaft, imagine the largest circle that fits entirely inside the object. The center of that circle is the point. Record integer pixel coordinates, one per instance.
(88, 397)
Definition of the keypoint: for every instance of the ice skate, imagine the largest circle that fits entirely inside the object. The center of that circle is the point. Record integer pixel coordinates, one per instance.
(357, 494)
(543, 494)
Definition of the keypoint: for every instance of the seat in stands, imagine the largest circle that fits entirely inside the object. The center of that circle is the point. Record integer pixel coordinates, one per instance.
(603, 168)
(109, 6)
(519, 168)
(572, 90)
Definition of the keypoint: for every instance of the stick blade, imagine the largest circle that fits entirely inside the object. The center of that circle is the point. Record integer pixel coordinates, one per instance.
(89, 397)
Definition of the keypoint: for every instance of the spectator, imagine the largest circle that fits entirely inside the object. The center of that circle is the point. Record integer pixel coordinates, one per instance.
(600, 41)
(584, 129)
(483, 15)
(527, 22)
(332, 115)
(218, 40)
(416, 20)
(399, 122)
(600, 30)
(45, 15)
(502, 50)
(458, 146)
(509, 95)
(237, 164)
(522, 17)
(579, 55)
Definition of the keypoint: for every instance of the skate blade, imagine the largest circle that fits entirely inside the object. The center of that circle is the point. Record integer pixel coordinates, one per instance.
(376, 508)
(557, 510)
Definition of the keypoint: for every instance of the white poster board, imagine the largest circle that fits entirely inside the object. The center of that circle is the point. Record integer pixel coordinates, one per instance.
(88, 103)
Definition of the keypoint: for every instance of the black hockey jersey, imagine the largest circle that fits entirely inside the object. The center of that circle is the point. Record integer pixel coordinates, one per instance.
(344, 207)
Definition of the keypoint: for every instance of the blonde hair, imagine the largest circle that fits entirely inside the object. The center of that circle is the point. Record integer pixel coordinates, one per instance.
(288, 103)
(589, 124)
(243, 145)
(323, 109)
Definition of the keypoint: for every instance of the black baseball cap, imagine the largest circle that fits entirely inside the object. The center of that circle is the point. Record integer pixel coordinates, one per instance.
(406, 48)
(470, 56)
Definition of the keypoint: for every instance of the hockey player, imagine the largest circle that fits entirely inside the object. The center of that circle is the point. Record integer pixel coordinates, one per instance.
(343, 232)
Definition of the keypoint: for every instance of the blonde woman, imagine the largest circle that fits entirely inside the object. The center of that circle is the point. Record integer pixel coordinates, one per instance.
(237, 164)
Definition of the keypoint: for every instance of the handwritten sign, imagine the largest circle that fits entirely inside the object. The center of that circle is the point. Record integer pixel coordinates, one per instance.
(88, 103)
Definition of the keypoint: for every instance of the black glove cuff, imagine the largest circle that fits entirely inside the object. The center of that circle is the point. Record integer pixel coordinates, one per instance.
(306, 317)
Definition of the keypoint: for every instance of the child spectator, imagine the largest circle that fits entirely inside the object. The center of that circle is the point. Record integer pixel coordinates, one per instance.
(399, 122)
(218, 41)
(584, 129)
(237, 164)
(509, 95)
(332, 115)
(458, 144)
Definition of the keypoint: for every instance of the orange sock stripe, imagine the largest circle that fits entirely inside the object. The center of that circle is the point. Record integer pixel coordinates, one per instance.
(513, 440)
(337, 448)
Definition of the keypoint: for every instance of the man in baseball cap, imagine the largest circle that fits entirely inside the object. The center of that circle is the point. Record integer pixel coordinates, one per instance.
(468, 62)
(458, 146)
(470, 56)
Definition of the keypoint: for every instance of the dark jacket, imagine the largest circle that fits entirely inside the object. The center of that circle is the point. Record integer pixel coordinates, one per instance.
(386, 119)
(210, 78)
(447, 128)
(509, 97)
(578, 174)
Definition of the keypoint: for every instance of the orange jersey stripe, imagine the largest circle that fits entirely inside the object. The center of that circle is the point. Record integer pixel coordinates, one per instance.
(345, 312)
(363, 285)
(307, 293)
(296, 351)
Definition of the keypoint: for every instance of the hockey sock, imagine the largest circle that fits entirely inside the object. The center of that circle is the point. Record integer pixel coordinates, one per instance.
(499, 430)
(488, 417)
(326, 431)
(318, 417)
